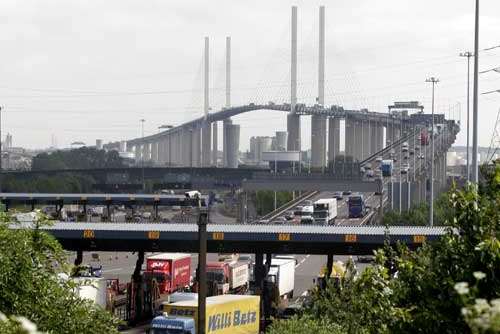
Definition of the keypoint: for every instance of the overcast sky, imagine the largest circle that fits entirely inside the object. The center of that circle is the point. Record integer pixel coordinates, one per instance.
(81, 70)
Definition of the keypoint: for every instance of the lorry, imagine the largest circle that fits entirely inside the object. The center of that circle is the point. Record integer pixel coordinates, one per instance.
(229, 276)
(282, 274)
(424, 138)
(224, 314)
(356, 205)
(170, 270)
(386, 167)
(305, 213)
(325, 210)
(94, 289)
(404, 146)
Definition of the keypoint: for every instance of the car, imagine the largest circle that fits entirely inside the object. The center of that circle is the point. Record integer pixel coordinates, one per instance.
(289, 215)
(422, 156)
(347, 193)
(405, 169)
(337, 195)
(379, 159)
(417, 148)
(412, 152)
(366, 258)
(405, 157)
(370, 173)
(279, 220)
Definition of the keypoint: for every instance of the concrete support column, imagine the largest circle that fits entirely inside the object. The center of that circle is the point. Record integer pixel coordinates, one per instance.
(130, 147)
(293, 128)
(380, 136)
(232, 144)
(318, 141)
(206, 143)
(137, 151)
(373, 137)
(365, 134)
(333, 138)
(145, 152)
(215, 147)
(154, 151)
(196, 147)
(349, 138)
(358, 140)
(225, 137)
(161, 151)
(389, 134)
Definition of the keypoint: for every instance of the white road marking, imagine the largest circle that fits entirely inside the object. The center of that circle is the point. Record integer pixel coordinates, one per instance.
(302, 261)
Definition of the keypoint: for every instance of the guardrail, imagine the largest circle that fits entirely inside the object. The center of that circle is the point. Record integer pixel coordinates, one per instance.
(285, 207)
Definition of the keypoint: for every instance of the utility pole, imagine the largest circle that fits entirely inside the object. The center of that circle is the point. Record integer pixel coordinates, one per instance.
(434, 81)
(468, 55)
(1, 172)
(202, 266)
(142, 155)
(475, 178)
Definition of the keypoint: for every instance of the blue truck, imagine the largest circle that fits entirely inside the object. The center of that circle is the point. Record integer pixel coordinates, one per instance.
(356, 205)
(172, 325)
(386, 167)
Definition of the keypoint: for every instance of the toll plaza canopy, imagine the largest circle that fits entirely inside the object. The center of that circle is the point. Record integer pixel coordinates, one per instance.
(234, 238)
(100, 199)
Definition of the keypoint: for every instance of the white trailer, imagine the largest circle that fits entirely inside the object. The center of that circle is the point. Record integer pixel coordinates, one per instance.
(325, 210)
(91, 288)
(282, 273)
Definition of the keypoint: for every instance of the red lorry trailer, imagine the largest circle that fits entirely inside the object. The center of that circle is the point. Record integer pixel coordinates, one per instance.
(231, 277)
(424, 138)
(171, 270)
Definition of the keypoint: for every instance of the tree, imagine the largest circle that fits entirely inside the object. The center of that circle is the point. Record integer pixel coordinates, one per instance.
(450, 286)
(30, 261)
(81, 158)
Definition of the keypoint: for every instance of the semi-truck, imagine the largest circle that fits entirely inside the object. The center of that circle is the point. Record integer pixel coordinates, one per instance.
(386, 167)
(356, 205)
(170, 270)
(230, 276)
(224, 314)
(325, 210)
(282, 273)
(424, 138)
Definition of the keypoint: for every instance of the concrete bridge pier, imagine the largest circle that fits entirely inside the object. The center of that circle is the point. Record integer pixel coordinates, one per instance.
(232, 145)
(333, 138)
(196, 147)
(293, 128)
(365, 131)
(206, 142)
(318, 141)
(154, 152)
(350, 132)
(215, 144)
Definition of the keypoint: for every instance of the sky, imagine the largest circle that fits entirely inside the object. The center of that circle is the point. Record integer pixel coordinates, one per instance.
(82, 70)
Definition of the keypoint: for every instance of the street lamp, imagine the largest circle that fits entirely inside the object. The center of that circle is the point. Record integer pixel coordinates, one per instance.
(468, 55)
(491, 91)
(495, 69)
(434, 81)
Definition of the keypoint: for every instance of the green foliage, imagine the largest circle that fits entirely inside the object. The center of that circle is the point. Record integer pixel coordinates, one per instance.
(29, 263)
(419, 215)
(62, 183)
(450, 286)
(82, 158)
(265, 200)
(304, 325)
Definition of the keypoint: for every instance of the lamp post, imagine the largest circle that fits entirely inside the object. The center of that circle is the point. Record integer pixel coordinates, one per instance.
(475, 99)
(434, 81)
(468, 55)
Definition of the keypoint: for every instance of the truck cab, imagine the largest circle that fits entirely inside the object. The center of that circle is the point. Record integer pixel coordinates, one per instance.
(172, 325)
(356, 205)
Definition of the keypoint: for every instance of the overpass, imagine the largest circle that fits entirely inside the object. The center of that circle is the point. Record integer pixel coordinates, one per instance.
(236, 238)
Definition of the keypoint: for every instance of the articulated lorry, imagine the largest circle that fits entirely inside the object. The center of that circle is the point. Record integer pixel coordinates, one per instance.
(170, 270)
(282, 274)
(231, 277)
(226, 314)
(325, 210)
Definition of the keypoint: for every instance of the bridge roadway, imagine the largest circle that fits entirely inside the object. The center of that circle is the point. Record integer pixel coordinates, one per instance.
(236, 238)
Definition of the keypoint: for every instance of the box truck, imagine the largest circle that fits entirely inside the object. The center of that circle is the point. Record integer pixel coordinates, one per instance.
(325, 210)
(172, 271)
(225, 314)
(282, 273)
(230, 276)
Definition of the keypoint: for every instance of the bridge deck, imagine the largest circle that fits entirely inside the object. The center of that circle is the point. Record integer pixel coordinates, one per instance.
(222, 238)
